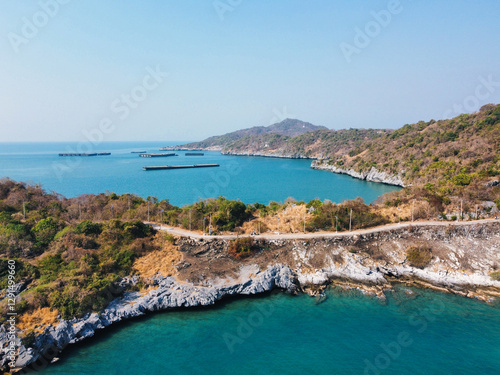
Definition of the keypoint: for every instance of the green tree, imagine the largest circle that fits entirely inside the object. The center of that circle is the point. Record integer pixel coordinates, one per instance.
(45, 231)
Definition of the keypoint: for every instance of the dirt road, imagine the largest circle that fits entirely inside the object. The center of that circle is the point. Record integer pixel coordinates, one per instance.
(293, 236)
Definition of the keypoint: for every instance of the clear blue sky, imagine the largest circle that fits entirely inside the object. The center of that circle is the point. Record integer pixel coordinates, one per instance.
(257, 62)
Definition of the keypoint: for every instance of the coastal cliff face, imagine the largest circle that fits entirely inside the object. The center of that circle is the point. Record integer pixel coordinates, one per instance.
(461, 260)
(372, 174)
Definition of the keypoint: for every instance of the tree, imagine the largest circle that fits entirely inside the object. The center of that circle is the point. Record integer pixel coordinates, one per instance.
(45, 231)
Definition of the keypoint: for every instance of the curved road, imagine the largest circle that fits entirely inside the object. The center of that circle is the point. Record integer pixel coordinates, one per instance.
(293, 236)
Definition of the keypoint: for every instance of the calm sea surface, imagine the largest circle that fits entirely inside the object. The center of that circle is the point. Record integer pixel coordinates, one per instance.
(426, 333)
(250, 179)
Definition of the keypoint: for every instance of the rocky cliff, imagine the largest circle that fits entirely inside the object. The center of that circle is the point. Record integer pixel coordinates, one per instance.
(370, 175)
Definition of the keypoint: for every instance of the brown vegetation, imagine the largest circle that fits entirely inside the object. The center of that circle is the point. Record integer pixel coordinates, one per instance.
(160, 262)
(37, 320)
(418, 256)
(241, 247)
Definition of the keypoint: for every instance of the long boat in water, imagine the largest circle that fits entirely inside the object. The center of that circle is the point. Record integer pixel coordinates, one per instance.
(85, 154)
(157, 155)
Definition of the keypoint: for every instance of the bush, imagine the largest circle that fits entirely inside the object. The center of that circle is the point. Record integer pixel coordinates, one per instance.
(495, 275)
(88, 228)
(462, 179)
(137, 229)
(45, 231)
(418, 256)
(241, 247)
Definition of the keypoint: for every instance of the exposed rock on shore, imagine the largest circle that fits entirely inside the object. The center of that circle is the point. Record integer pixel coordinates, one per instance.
(276, 154)
(371, 175)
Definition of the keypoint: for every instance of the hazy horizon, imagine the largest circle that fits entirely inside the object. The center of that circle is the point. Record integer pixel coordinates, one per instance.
(189, 70)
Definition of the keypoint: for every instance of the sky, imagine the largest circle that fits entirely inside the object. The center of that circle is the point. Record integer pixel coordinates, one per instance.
(122, 70)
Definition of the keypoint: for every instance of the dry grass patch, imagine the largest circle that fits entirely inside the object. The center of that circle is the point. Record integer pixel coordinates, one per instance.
(158, 262)
(39, 318)
(291, 220)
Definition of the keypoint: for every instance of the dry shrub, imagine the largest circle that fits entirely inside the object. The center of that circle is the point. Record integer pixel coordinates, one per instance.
(419, 256)
(241, 247)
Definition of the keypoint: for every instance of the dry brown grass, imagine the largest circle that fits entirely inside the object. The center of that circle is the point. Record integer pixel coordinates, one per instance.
(159, 262)
(393, 213)
(291, 220)
(39, 318)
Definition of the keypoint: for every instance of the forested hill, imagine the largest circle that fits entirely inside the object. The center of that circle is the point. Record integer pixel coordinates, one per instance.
(461, 149)
(286, 129)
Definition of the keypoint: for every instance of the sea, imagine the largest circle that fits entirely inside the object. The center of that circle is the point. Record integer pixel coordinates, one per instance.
(249, 179)
(412, 331)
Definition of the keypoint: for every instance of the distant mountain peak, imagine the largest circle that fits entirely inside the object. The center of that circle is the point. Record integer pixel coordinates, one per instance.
(292, 127)
(288, 128)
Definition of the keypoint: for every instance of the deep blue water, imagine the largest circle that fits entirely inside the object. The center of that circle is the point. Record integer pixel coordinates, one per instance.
(250, 179)
(427, 333)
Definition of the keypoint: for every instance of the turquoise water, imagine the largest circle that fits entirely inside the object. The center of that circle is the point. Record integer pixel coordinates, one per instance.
(425, 333)
(250, 179)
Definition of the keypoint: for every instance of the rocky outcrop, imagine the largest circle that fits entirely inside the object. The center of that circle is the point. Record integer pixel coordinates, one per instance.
(276, 154)
(373, 174)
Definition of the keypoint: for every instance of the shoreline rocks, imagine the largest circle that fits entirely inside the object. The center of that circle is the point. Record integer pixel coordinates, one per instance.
(372, 175)
(266, 155)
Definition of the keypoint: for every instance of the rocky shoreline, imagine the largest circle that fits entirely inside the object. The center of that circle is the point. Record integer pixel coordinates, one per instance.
(463, 257)
(267, 155)
(372, 175)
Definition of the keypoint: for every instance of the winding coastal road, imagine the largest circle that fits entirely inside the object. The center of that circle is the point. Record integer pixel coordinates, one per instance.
(297, 236)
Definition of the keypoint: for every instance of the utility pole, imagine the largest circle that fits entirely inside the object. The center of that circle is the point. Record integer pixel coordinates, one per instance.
(204, 218)
(210, 225)
(24, 210)
(350, 220)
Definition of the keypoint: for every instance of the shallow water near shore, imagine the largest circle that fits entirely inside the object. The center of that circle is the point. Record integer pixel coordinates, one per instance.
(424, 332)
(249, 179)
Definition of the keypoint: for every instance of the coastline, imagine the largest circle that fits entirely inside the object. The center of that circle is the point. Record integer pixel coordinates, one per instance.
(295, 265)
(372, 175)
